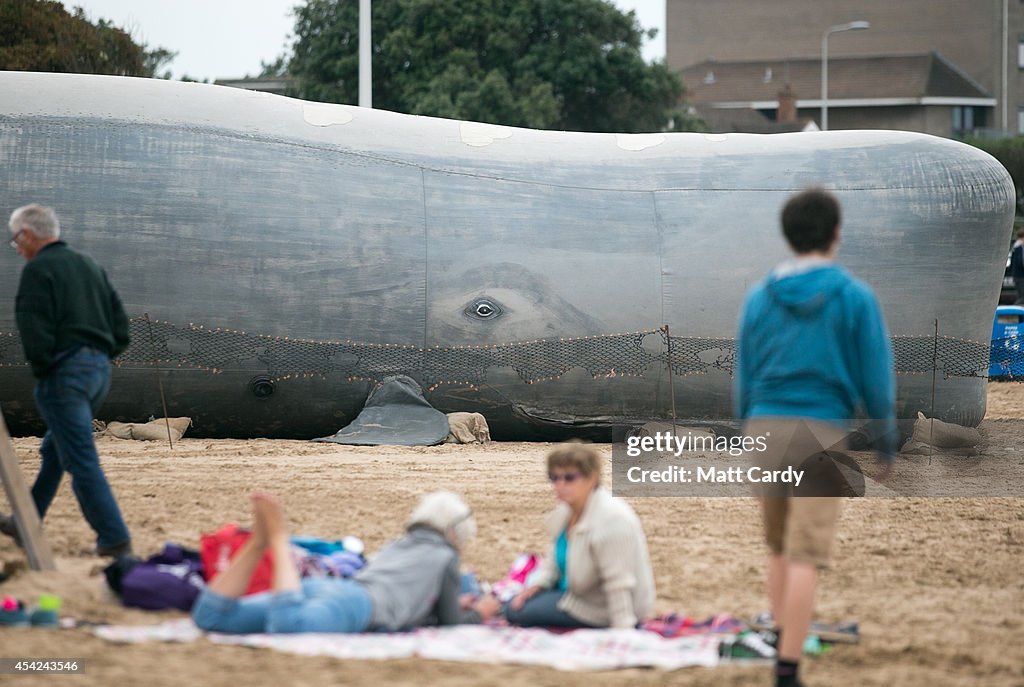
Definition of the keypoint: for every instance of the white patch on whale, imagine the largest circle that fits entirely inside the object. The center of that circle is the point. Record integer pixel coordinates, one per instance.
(478, 135)
(325, 114)
(638, 141)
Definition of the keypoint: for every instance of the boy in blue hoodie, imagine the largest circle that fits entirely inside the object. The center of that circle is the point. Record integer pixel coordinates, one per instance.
(813, 351)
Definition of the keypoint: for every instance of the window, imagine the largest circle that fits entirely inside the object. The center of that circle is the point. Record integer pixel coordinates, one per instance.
(1020, 52)
(966, 119)
(1020, 120)
(958, 120)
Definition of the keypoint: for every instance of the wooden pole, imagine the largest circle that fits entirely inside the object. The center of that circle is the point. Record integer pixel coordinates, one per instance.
(671, 382)
(26, 518)
(159, 382)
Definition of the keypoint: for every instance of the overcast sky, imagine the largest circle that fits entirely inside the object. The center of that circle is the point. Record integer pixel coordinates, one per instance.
(224, 39)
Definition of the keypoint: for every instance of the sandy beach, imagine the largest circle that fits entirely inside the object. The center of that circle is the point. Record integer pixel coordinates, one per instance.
(935, 583)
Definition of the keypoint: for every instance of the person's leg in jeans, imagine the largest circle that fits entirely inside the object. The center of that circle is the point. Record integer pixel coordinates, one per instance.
(214, 612)
(50, 473)
(322, 605)
(541, 610)
(66, 399)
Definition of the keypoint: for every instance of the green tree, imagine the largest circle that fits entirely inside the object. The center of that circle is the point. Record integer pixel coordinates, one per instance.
(548, 64)
(40, 35)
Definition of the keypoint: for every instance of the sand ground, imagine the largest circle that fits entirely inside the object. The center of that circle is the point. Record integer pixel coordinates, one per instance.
(936, 583)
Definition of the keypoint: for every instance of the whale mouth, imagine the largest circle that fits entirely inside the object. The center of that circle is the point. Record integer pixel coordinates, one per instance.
(556, 419)
(556, 426)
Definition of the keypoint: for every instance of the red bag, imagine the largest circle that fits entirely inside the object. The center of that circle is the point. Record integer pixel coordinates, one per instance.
(216, 551)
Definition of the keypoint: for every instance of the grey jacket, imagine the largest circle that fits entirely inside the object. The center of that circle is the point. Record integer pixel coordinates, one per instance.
(415, 581)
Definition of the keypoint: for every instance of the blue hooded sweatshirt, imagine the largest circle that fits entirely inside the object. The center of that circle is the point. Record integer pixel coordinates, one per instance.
(813, 344)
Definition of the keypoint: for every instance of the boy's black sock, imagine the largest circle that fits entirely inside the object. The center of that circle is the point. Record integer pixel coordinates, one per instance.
(785, 673)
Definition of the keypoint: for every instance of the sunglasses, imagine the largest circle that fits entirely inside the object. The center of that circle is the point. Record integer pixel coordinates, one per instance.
(567, 477)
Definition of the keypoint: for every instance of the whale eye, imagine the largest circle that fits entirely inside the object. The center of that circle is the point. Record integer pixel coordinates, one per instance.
(483, 309)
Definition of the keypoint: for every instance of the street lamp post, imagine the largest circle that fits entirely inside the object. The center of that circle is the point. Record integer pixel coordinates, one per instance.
(365, 55)
(852, 26)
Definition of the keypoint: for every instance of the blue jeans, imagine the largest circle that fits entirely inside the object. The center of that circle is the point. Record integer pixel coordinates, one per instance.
(67, 399)
(325, 604)
(541, 610)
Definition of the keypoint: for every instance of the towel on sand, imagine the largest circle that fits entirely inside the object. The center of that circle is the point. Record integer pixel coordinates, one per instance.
(578, 650)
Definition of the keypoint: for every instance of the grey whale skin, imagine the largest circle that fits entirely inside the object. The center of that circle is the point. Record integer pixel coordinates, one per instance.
(383, 243)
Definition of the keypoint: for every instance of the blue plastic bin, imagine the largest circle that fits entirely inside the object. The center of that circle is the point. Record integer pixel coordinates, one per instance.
(1006, 357)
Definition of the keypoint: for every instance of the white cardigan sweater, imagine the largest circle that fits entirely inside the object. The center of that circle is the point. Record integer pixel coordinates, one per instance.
(610, 578)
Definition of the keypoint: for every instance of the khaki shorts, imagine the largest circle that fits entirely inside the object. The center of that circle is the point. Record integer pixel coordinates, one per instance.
(800, 520)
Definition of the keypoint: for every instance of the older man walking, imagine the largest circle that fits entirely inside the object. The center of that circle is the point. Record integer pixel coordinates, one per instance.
(71, 323)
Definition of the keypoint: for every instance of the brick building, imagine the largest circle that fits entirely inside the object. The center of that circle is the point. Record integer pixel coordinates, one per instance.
(949, 67)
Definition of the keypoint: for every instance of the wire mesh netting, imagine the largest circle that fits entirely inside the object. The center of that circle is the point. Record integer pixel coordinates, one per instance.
(695, 356)
(950, 356)
(167, 345)
(163, 344)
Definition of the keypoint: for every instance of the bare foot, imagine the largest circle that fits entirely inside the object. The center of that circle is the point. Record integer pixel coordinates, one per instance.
(259, 528)
(269, 513)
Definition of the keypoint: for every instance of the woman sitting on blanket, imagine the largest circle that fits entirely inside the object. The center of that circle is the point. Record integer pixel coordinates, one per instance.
(598, 573)
(412, 581)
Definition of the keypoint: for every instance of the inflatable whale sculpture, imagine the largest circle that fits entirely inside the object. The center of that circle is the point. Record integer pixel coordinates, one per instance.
(278, 257)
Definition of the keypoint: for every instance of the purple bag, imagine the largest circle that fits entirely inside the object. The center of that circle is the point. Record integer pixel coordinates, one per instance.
(172, 579)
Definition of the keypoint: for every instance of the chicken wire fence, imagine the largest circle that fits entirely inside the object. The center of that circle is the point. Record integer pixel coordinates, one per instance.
(166, 345)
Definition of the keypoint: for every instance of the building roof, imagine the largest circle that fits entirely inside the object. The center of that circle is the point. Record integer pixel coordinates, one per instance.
(885, 80)
(742, 120)
(266, 84)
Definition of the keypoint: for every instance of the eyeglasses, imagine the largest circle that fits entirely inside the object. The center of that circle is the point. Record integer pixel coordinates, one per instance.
(14, 239)
(567, 477)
